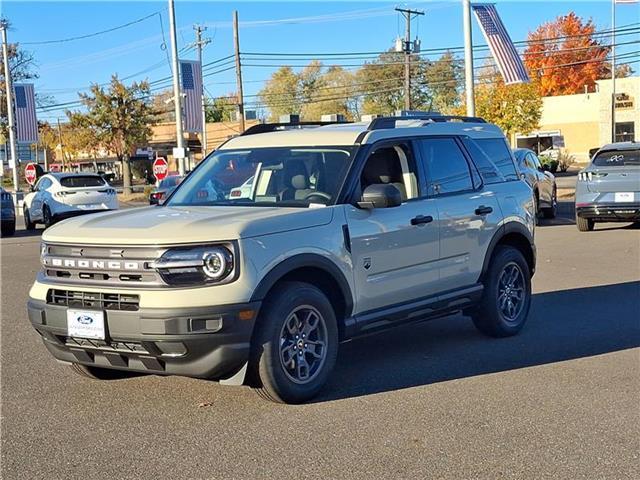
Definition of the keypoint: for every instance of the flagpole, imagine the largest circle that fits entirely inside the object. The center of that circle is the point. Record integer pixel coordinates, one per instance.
(613, 71)
(468, 58)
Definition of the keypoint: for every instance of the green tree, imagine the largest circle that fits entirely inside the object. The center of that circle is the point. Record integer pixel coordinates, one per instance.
(281, 94)
(444, 81)
(119, 118)
(220, 109)
(333, 92)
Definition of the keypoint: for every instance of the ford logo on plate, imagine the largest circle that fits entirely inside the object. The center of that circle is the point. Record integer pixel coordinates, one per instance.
(85, 320)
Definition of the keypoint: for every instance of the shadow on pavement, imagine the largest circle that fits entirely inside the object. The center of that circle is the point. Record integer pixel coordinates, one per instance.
(563, 325)
(26, 233)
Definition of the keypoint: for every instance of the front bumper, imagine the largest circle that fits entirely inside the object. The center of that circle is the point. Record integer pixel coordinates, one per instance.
(610, 212)
(202, 342)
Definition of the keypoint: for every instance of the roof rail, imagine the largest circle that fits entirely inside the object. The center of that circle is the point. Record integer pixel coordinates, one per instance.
(390, 122)
(272, 127)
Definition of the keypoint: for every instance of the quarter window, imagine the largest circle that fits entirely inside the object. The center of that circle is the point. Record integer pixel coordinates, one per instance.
(488, 170)
(446, 166)
(496, 149)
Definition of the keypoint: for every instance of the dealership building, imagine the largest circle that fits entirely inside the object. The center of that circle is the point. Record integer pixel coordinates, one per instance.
(581, 122)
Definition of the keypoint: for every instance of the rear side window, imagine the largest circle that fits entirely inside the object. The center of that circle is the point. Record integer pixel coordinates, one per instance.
(447, 168)
(82, 181)
(617, 158)
(498, 151)
(488, 170)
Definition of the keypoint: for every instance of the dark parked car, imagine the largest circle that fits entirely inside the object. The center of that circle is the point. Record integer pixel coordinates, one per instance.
(8, 215)
(166, 188)
(542, 181)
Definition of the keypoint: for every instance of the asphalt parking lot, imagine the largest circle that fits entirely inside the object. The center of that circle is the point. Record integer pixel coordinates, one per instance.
(435, 400)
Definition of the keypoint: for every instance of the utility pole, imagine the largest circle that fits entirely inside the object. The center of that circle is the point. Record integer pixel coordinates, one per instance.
(236, 42)
(11, 121)
(60, 141)
(408, 15)
(613, 71)
(201, 42)
(468, 59)
(179, 152)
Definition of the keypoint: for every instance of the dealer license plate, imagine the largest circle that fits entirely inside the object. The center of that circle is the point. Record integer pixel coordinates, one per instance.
(85, 324)
(624, 197)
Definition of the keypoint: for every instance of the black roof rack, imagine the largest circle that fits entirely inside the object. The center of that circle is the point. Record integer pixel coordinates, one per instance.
(272, 127)
(390, 122)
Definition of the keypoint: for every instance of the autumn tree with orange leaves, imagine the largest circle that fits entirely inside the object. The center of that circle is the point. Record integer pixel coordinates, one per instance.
(564, 55)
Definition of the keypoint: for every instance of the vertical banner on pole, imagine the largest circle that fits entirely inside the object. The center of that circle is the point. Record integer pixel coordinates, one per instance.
(25, 105)
(191, 76)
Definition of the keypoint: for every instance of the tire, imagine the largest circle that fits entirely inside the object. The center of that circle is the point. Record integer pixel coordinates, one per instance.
(97, 373)
(47, 219)
(584, 224)
(493, 316)
(285, 326)
(8, 229)
(28, 224)
(537, 205)
(551, 212)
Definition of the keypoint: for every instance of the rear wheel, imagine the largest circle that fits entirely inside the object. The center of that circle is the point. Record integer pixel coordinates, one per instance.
(296, 344)
(46, 216)
(551, 212)
(506, 299)
(97, 373)
(28, 224)
(8, 228)
(584, 224)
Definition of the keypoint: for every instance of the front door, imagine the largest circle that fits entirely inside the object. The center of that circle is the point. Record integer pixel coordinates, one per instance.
(394, 250)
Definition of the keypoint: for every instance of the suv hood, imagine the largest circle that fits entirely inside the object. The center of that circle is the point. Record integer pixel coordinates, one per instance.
(178, 225)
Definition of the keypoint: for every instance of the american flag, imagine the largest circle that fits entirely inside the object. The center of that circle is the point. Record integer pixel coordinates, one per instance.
(502, 48)
(192, 88)
(26, 121)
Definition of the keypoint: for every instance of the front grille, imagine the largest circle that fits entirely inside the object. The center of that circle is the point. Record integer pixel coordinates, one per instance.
(94, 300)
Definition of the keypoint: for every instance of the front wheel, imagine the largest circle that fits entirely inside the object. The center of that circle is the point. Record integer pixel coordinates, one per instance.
(506, 299)
(552, 211)
(47, 218)
(296, 343)
(28, 224)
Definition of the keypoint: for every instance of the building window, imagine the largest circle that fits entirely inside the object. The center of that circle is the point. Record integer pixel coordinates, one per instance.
(625, 132)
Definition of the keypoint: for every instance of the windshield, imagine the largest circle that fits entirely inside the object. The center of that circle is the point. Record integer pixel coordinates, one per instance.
(82, 181)
(282, 176)
(617, 158)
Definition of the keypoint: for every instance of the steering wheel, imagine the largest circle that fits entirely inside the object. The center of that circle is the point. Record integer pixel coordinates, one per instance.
(322, 195)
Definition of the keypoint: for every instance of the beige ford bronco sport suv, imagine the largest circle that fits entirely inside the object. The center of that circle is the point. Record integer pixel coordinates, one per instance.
(286, 241)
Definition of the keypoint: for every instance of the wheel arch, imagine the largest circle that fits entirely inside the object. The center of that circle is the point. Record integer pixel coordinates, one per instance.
(315, 270)
(516, 235)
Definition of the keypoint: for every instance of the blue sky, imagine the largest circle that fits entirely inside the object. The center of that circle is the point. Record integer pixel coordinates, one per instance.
(346, 27)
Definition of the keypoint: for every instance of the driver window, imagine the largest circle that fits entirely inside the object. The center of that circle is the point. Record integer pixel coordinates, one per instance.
(391, 165)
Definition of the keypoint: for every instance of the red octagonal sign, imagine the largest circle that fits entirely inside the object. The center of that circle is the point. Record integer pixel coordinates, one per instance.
(30, 173)
(160, 168)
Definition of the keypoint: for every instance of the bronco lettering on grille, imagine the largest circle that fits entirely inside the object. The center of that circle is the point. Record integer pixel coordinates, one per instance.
(93, 264)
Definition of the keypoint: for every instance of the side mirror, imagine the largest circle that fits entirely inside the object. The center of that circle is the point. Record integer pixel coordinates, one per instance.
(380, 195)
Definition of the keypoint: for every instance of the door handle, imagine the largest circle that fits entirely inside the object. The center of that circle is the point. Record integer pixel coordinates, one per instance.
(482, 210)
(421, 219)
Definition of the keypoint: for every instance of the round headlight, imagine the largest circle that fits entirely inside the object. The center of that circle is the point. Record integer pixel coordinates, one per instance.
(215, 264)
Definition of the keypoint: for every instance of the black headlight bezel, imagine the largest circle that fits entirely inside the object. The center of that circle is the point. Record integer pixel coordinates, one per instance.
(191, 275)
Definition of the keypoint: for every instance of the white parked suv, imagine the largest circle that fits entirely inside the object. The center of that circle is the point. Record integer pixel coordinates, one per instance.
(347, 229)
(62, 195)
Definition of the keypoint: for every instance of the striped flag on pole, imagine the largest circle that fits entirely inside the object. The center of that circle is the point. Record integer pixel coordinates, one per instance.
(26, 121)
(191, 72)
(502, 48)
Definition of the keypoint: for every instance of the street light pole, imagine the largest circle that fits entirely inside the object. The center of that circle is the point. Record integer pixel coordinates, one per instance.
(10, 119)
(613, 71)
(468, 58)
(177, 98)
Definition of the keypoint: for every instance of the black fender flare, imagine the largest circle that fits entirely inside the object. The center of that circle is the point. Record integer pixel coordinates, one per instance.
(305, 260)
(506, 229)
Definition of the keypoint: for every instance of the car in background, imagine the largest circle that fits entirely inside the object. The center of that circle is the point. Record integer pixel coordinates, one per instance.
(243, 191)
(608, 190)
(541, 181)
(164, 189)
(8, 214)
(57, 196)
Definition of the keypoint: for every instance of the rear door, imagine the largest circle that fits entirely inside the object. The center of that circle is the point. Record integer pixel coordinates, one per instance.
(469, 213)
(394, 250)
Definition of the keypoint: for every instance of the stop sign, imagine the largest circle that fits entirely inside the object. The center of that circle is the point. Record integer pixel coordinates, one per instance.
(160, 168)
(30, 173)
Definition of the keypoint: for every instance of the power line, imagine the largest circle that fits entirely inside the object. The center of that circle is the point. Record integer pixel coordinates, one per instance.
(95, 34)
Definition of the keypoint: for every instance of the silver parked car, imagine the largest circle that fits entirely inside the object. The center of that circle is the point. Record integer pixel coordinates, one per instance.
(541, 181)
(608, 190)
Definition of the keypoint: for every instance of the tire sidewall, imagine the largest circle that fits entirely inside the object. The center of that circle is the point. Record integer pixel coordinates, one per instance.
(270, 369)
